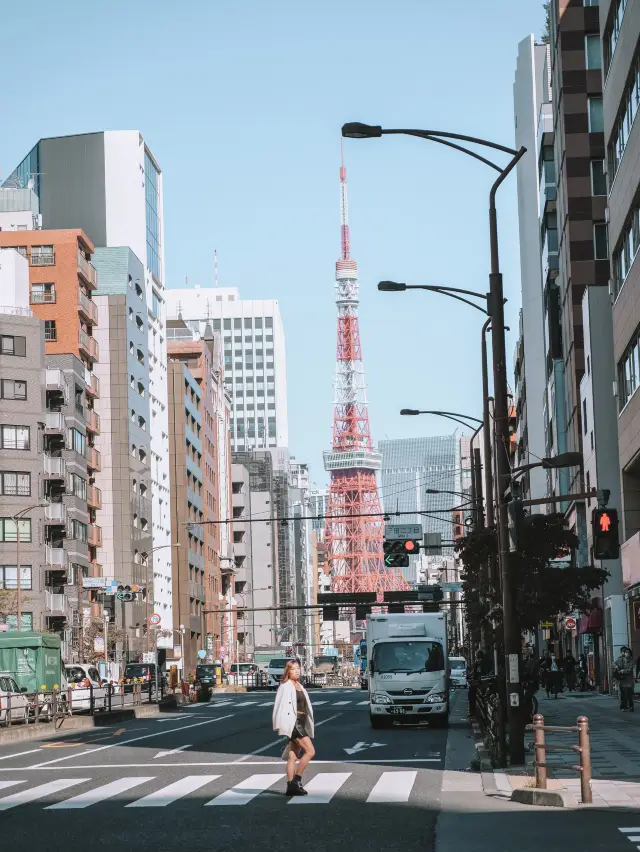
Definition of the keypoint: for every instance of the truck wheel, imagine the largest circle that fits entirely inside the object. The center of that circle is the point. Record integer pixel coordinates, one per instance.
(380, 722)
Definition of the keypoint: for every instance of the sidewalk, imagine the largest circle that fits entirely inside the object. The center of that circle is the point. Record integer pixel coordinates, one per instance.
(615, 750)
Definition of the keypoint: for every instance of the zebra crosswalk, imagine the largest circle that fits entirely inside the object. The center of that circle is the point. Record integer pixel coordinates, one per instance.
(390, 787)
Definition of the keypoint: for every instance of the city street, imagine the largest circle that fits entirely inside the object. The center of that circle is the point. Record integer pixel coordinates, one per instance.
(152, 782)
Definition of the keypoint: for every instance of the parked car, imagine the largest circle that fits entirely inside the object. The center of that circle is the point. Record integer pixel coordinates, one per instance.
(144, 673)
(85, 683)
(10, 693)
(244, 674)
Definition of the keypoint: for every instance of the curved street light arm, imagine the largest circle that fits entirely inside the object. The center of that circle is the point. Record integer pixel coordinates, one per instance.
(464, 151)
(429, 134)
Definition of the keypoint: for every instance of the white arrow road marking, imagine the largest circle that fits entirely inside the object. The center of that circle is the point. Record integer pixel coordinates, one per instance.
(173, 751)
(362, 746)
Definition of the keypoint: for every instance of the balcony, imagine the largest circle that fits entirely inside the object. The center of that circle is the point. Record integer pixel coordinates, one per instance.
(195, 624)
(54, 422)
(87, 271)
(240, 549)
(94, 349)
(196, 591)
(196, 530)
(93, 459)
(56, 604)
(92, 421)
(196, 559)
(94, 497)
(55, 555)
(87, 309)
(94, 536)
(54, 380)
(55, 513)
(83, 341)
(54, 468)
(195, 499)
(92, 384)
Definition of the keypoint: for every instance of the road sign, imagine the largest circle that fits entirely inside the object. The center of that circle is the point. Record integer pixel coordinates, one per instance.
(402, 531)
(155, 619)
(148, 657)
(202, 654)
(95, 582)
(570, 623)
(546, 625)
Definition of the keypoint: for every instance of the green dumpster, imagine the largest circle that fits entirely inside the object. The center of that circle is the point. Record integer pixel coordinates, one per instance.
(32, 659)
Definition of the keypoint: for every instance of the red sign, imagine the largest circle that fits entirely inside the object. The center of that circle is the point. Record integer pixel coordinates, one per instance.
(636, 614)
(570, 623)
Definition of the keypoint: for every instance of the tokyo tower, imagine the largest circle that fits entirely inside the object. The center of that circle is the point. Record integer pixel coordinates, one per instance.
(354, 525)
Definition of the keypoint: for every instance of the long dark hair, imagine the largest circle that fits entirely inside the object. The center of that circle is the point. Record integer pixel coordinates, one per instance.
(287, 670)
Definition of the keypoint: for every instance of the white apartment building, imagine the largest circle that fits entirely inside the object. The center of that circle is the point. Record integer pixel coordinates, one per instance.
(110, 185)
(254, 359)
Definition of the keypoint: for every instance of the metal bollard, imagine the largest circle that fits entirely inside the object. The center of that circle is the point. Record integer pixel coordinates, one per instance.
(585, 760)
(540, 752)
(36, 708)
(8, 709)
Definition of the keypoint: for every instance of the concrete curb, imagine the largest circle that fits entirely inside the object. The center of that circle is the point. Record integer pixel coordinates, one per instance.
(46, 730)
(543, 798)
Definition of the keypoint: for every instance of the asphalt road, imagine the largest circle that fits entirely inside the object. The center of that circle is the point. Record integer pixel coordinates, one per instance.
(211, 777)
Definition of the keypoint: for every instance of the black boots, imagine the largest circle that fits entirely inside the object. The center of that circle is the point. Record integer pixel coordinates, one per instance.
(295, 788)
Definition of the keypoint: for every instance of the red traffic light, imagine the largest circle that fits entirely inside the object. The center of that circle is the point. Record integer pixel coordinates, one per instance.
(410, 546)
(604, 522)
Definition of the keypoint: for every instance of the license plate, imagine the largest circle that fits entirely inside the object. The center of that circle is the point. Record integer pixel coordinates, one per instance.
(398, 710)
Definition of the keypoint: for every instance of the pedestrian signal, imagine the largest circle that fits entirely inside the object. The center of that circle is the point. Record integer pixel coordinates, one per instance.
(604, 528)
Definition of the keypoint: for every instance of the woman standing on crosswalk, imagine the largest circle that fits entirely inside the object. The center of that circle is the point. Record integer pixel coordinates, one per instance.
(293, 718)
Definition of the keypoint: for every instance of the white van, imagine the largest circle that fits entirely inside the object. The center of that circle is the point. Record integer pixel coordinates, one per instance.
(276, 670)
(408, 668)
(83, 680)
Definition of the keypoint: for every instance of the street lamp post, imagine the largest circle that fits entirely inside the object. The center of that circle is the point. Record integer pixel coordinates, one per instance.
(495, 311)
(17, 518)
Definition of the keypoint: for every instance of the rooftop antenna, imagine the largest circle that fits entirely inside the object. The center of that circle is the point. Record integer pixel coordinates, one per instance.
(215, 266)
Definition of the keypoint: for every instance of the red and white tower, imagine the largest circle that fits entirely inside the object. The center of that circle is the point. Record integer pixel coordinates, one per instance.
(354, 526)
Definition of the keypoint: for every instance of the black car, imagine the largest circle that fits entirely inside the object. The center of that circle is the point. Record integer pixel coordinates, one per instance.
(144, 673)
(206, 674)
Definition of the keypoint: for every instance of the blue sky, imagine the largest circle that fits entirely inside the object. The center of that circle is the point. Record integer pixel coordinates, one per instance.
(242, 103)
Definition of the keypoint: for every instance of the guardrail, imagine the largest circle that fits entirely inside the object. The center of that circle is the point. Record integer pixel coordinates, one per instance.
(583, 750)
(490, 714)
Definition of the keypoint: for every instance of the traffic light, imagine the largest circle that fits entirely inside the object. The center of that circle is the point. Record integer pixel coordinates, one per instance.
(604, 525)
(397, 552)
(129, 593)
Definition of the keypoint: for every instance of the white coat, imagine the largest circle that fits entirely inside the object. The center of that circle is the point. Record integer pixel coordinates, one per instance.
(285, 710)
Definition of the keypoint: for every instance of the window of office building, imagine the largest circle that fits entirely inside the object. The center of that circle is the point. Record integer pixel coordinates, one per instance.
(612, 29)
(226, 325)
(237, 323)
(78, 486)
(626, 250)
(598, 179)
(78, 441)
(596, 115)
(14, 389)
(268, 322)
(592, 52)
(8, 530)
(600, 241)
(15, 484)
(248, 322)
(14, 438)
(629, 371)
(626, 116)
(272, 427)
(78, 531)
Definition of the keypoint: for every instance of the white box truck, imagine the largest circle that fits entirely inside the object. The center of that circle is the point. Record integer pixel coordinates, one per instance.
(408, 668)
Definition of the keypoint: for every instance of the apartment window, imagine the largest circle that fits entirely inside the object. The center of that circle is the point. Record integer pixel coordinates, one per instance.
(15, 438)
(132, 381)
(9, 580)
(8, 530)
(50, 330)
(142, 423)
(78, 441)
(138, 291)
(628, 372)
(612, 29)
(592, 52)
(43, 294)
(42, 256)
(226, 324)
(13, 389)
(584, 416)
(78, 486)
(272, 427)
(141, 389)
(598, 179)
(15, 484)
(626, 116)
(156, 301)
(600, 242)
(216, 324)
(269, 338)
(11, 345)
(238, 537)
(132, 348)
(11, 621)
(625, 253)
(78, 531)
(596, 115)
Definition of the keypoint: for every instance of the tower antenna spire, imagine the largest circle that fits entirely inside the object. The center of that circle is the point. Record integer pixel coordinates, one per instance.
(215, 266)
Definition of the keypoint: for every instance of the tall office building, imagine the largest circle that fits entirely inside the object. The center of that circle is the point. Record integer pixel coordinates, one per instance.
(410, 466)
(254, 359)
(620, 28)
(110, 185)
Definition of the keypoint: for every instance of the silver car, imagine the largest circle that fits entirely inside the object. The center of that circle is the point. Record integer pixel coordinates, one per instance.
(458, 666)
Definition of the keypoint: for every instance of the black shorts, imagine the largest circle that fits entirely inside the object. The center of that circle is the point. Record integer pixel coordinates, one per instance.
(298, 729)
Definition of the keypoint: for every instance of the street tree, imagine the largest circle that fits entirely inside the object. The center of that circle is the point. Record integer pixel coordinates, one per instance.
(543, 590)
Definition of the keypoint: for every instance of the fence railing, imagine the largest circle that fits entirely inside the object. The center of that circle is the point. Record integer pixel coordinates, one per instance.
(490, 714)
(582, 749)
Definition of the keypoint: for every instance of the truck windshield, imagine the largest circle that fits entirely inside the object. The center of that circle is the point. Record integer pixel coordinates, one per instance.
(410, 657)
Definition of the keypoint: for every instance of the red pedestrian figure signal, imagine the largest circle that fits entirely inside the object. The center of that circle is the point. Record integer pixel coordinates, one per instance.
(606, 539)
(605, 522)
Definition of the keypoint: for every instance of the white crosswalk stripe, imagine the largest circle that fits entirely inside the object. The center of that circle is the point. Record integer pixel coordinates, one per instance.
(246, 790)
(340, 703)
(246, 703)
(100, 794)
(362, 703)
(172, 792)
(38, 792)
(315, 703)
(322, 788)
(266, 703)
(392, 787)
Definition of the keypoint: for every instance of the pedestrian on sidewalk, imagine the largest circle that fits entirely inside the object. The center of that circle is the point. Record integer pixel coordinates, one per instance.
(570, 664)
(623, 673)
(293, 718)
